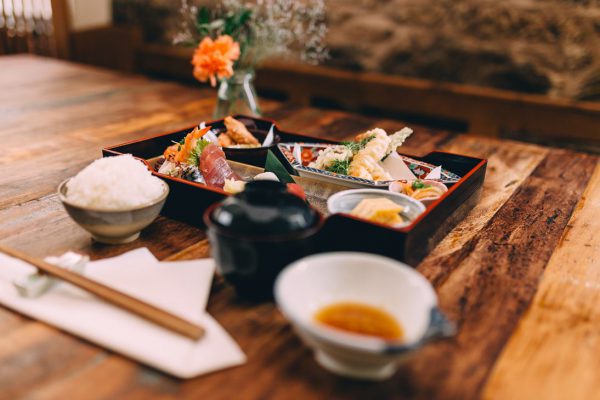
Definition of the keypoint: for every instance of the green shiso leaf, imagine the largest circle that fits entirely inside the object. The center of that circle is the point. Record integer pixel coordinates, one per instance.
(196, 152)
(272, 164)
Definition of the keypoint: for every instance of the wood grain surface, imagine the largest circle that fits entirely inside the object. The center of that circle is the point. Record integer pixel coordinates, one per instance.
(520, 274)
(554, 352)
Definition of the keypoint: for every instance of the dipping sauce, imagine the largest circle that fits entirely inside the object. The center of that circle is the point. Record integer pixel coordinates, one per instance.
(360, 318)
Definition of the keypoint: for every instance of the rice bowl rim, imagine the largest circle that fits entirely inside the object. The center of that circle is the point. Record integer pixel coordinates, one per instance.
(62, 188)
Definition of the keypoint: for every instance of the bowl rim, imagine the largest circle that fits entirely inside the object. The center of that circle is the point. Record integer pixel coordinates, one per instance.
(349, 340)
(336, 196)
(63, 198)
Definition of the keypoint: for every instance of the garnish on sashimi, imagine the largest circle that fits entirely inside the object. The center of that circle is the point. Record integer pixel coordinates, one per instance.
(181, 152)
(190, 159)
(197, 159)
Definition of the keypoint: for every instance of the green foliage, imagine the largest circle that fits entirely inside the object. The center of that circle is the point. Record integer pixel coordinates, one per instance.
(339, 167)
(356, 146)
(203, 16)
(261, 28)
(236, 24)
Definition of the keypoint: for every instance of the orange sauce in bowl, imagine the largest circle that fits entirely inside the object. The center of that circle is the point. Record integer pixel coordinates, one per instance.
(360, 318)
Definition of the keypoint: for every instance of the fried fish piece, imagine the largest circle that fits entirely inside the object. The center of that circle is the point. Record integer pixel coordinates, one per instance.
(238, 132)
(225, 140)
(366, 162)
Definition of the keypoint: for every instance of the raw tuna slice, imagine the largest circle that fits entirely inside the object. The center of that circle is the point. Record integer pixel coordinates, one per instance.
(214, 167)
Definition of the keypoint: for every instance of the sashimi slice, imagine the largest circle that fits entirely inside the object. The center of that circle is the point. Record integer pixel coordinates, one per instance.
(214, 167)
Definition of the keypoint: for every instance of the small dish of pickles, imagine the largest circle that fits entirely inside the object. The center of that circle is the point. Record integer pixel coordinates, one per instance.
(425, 190)
(362, 314)
(376, 205)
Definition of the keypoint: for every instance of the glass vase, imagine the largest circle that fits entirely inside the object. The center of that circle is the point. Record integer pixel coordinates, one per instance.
(236, 95)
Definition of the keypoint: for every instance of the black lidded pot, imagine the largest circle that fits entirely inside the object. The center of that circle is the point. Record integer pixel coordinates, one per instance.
(258, 232)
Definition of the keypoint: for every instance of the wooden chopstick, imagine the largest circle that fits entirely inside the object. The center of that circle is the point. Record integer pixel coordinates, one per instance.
(119, 299)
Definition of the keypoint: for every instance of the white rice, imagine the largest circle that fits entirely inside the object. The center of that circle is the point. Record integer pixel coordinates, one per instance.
(114, 183)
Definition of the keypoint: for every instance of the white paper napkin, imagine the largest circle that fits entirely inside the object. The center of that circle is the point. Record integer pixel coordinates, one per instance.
(181, 287)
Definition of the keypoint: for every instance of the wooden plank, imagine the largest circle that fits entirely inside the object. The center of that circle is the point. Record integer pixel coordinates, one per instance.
(495, 276)
(105, 378)
(554, 352)
(35, 354)
(509, 164)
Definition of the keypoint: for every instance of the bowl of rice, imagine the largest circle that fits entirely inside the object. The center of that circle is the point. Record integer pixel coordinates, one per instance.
(114, 198)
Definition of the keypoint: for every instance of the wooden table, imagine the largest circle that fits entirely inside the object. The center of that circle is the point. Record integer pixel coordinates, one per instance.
(520, 275)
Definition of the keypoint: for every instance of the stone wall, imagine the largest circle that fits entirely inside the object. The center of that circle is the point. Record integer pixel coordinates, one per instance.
(537, 46)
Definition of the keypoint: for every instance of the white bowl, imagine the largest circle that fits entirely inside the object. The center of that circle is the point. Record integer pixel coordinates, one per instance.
(114, 226)
(309, 284)
(346, 200)
(397, 187)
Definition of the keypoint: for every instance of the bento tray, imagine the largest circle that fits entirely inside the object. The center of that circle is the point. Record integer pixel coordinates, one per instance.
(187, 200)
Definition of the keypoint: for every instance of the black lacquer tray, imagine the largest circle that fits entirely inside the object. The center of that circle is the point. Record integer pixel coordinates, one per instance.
(188, 200)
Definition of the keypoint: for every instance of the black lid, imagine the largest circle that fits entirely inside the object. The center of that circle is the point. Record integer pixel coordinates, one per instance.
(264, 208)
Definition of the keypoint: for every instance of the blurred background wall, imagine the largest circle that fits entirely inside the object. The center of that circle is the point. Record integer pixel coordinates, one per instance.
(549, 47)
(526, 69)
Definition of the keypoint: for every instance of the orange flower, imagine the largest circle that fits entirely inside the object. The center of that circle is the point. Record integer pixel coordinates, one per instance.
(215, 58)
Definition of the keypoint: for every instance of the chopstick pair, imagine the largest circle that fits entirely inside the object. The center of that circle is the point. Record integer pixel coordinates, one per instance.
(119, 299)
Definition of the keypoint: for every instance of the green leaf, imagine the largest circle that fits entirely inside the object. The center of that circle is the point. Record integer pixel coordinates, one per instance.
(356, 146)
(236, 21)
(203, 16)
(352, 146)
(275, 166)
(339, 167)
(194, 158)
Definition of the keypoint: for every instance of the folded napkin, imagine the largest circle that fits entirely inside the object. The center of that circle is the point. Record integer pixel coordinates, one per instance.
(180, 287)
